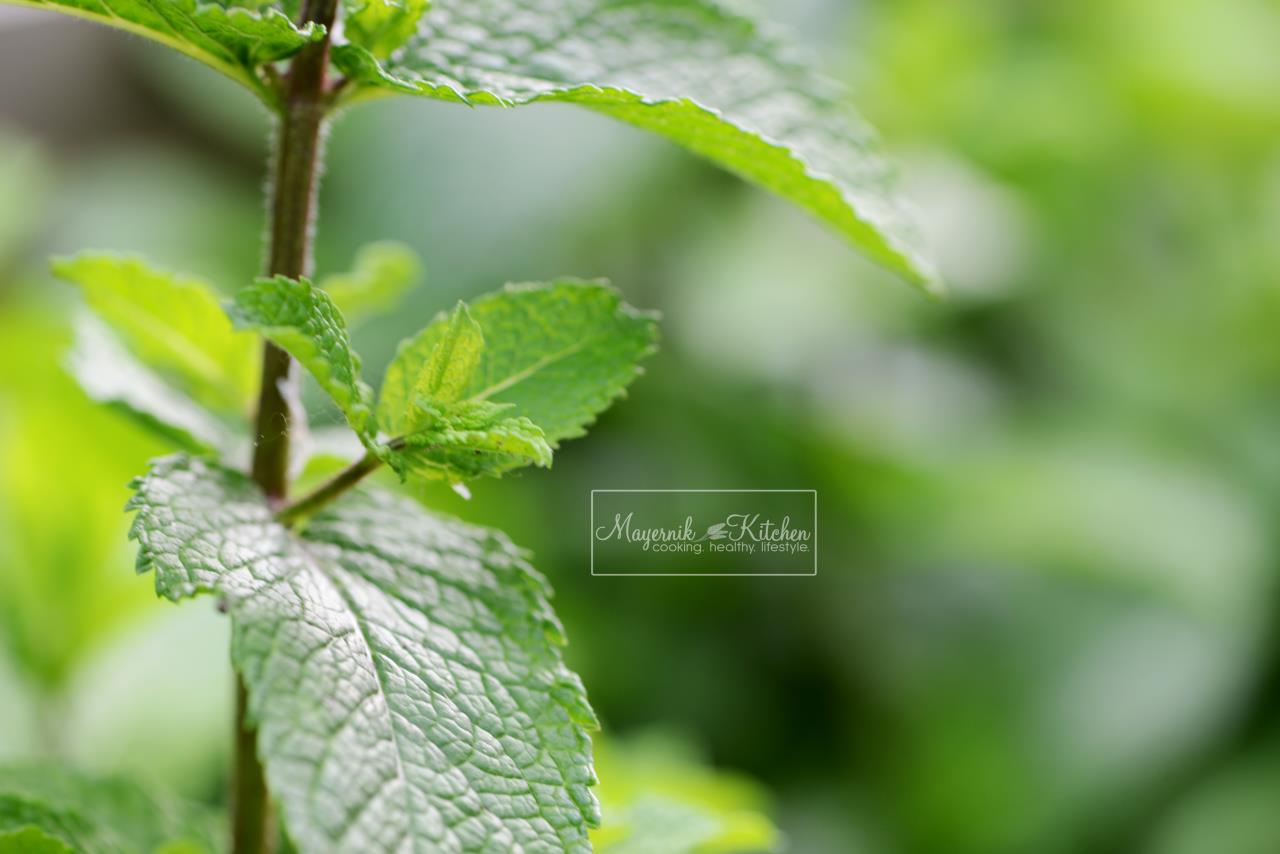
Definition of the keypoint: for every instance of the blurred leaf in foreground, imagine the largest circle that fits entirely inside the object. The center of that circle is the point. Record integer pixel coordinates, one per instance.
(64, 580)
(44, 805)
(658, 798)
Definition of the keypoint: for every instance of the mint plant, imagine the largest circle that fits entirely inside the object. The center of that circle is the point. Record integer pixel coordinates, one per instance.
(401, 684)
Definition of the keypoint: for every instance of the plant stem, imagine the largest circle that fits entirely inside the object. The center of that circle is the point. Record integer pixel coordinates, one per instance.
(253, 825)
(295, 175)
(329, 490)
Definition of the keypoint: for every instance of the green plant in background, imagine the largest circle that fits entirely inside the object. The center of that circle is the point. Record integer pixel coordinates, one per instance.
(401, 682)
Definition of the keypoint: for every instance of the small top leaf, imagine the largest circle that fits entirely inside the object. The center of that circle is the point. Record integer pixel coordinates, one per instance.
(235, 40)
(706, 77)
(559, 353)
(303, 320)
(453, 360)
(172, 323)
(381, 274)
(404, 669)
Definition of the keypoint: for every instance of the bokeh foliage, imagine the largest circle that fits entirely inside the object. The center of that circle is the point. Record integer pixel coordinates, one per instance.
(1044, 618)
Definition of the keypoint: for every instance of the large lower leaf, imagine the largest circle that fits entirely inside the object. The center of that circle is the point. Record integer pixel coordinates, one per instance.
(233, 40)
(692, 70)
(558, 353)
(404, 670)
(48, 808)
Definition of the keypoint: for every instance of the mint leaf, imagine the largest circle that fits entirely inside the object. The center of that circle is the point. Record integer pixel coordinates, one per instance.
(111, 376)
(559, 353)
(382, 273)
(453, 359)
(468, 440)
(658, 795)
(173, 323)
(692, 70)
(404, 669)
(303, 320)
(235, 41)
(109, 815)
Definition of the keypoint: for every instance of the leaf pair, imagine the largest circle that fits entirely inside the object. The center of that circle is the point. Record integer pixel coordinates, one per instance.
(704, 76)
(404, 669)
(477, 392)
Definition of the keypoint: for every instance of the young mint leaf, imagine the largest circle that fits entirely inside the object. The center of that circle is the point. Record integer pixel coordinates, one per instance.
(559, 353)
(234, 40)
(111, 376)
(96, 815)
(453, 360)
(303, 320)
(692, 70)
(382, 273)
(172, 323)
(404, 669)
(467, 440)
(381, 26)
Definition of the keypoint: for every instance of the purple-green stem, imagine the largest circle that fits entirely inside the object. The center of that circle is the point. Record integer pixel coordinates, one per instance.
(304, 102)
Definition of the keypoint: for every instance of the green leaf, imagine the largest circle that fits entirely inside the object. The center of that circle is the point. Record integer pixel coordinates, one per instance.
(172, 323)
(382, 273)
(303, 320)
(111, 376)
(233, 40)
(32, 840)
(559, 353)
(90, 815)
(658, 796)
(453, 360)
(468, 440)
(381, 26)
(404, 669)
(692, 70)
(20, 815)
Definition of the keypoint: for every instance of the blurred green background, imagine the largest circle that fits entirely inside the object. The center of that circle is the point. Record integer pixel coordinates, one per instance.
(1045, 617)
